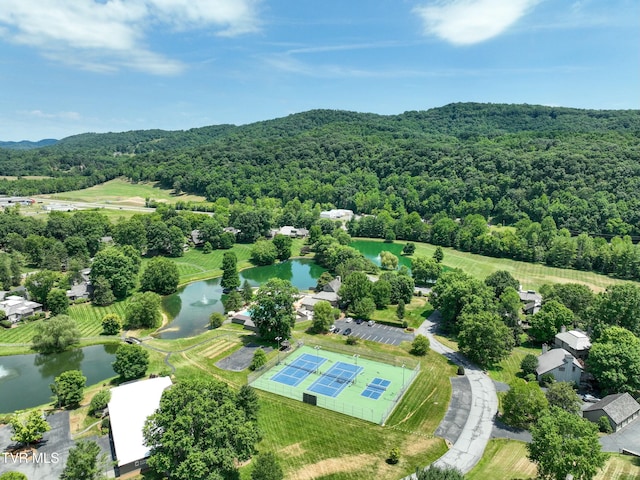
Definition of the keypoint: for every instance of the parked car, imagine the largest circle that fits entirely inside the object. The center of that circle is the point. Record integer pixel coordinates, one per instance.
(371, 323)
(359, 321)
(587, 397)
(348, 319)
(347, 331)
(332, 328)
(337, 330)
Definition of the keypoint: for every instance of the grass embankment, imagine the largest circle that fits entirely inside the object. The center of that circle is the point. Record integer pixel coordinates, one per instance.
(123, 192)
(416, 312)
(506, 371)
(506, 459)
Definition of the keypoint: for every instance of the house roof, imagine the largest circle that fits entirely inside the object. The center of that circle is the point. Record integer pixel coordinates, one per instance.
(553, 359)
(129, 408)
(333, 286)
(530, 296)
(618, 407)
(328, 296)
(575, 339)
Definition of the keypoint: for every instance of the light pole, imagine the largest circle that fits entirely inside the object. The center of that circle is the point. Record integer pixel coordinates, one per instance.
(278, 340)
(355, 356)
(317, 348)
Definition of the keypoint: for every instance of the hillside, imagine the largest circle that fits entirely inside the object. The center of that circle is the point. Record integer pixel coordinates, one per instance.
(506, 162)
(27, 145)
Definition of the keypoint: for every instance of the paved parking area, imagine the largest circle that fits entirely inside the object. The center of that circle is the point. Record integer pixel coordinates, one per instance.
(455, 419)
(376, 333)
(241, 359)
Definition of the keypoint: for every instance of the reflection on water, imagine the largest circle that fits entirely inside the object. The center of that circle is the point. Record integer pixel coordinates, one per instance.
(192, 305)
(25, 379)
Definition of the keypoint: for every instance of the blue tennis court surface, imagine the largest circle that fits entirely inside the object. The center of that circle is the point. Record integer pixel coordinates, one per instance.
(294, 373)
(336, 379)
(376, 388)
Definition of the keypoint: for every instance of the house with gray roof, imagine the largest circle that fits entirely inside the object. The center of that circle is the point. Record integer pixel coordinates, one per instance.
(620, 409)
(18, 308)
(574, 341)
(561, 364)
(532, 301)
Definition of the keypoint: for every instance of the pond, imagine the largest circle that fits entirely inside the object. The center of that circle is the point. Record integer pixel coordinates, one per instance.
(25, 379)
(190, 307)
(371, 250)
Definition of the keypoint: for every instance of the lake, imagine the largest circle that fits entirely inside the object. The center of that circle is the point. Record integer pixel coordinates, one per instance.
(190, 307)
(25, 379)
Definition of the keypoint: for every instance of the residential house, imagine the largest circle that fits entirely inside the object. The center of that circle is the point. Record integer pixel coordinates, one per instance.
(130, 405)
(532, 301)
(561, 364)
(337, 214)
(13, 201)
(289, 231)
(233, 230)
(195, 238)
(574, 341)
(620, 409)
(243, 318)
(18, 308)
(82, 288)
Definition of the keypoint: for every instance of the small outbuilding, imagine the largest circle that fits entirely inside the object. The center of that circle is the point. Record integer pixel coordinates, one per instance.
(130, 405)
(574, 341)
(620, 409)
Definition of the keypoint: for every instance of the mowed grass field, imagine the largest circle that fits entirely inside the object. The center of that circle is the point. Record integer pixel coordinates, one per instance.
(507, 459)
(122, 192)
(531, 275)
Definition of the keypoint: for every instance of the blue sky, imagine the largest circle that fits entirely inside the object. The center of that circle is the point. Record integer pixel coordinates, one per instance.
(74, 66)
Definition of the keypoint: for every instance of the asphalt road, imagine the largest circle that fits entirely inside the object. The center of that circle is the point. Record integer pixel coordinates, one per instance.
(469, 447)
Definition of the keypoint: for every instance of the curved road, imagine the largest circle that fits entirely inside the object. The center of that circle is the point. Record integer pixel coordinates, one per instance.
(469, 447)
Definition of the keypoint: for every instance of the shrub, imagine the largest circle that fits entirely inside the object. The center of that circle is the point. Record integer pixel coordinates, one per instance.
(207, 248)
(604, 426)
(351, 340)
(111, 324)
(529, 364)
(259, 359)
(99, 401)
(80, 300)
(5, 323)
(546, 379)
(420, 345)
(530, 377)
(394, 456)
(216, 319)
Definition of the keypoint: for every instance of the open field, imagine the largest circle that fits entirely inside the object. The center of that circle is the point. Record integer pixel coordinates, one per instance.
(506, 459)
(507, 369)
(122, 192)
(531, 275)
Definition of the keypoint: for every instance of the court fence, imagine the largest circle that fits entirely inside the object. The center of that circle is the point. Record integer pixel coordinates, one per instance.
(411, 366)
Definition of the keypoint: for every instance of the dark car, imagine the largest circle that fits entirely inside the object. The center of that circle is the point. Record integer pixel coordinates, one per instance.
(359, 321)
(337, 330)
(347, 332)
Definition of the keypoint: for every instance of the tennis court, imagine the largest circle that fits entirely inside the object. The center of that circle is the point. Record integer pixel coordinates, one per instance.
(356, 386)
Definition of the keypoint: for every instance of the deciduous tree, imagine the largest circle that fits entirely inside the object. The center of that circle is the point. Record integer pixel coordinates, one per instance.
(562, 395)
(273, 312)
(523, 404)
(111, 324)
(230, 278)
(143, 310)
(131, 362)
(85, 462)
(484, 338)
(266, 467)
(56, 334)
(563, 443)
(614, 361)
(180, 432)
(68, 388)
(323, 316)
(28, 429)
(57, 302)
(160, 276)
(283, 245)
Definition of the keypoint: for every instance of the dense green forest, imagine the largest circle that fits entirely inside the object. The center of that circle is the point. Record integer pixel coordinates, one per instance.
(505, 162)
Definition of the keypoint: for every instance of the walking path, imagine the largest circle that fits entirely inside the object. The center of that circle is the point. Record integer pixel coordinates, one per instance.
(469, 447)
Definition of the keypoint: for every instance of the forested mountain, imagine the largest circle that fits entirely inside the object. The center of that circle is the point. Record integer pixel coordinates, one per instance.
(506, 162)
(27, 145)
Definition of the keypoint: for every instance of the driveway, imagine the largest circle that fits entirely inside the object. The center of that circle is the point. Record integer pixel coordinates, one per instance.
(628, 437)
(476, 432)
(376, 333)
(453, 423)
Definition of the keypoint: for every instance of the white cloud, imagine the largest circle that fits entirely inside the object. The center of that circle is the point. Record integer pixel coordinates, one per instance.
(465, 22)
(110, 35)
(75, 116)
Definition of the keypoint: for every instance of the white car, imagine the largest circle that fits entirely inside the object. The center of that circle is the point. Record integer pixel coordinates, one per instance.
(587, 397)
(348, 319)
(332, 328)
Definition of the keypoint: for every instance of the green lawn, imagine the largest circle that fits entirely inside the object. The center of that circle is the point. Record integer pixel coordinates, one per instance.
(531, 275)
(122, 192)
(415, 313)
(507, 459)
(507, 369)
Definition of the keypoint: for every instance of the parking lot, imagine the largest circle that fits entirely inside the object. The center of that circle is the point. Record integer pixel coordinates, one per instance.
(376, 333)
